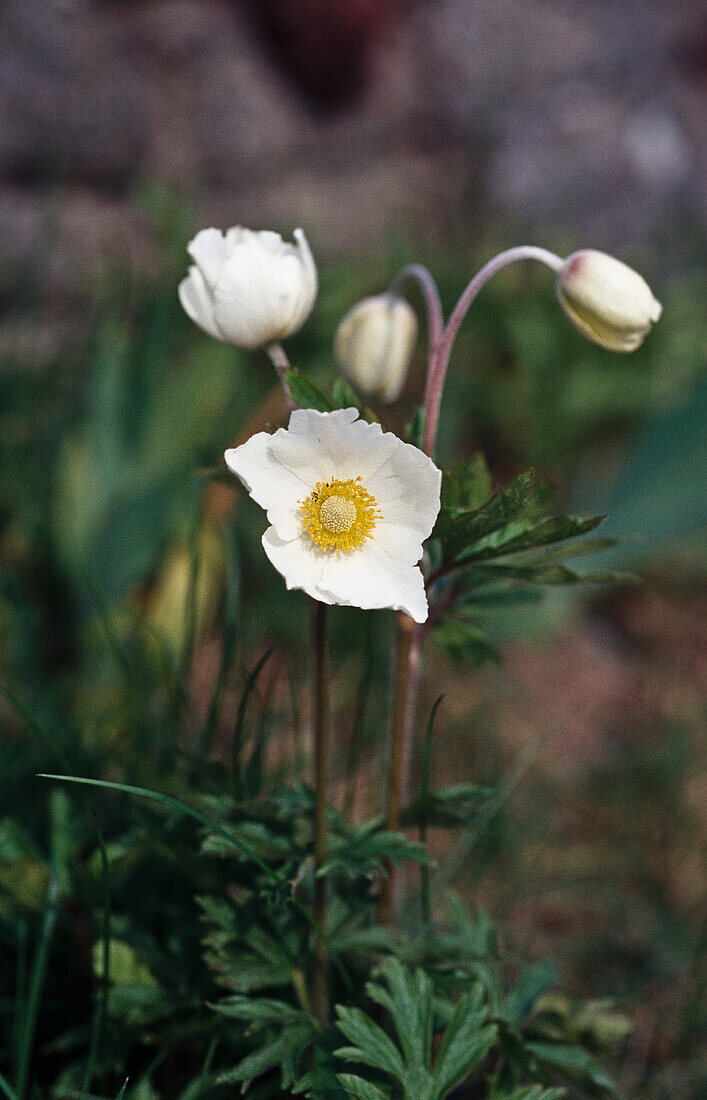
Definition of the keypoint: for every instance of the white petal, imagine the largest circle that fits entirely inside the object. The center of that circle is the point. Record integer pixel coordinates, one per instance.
(197, 302)
(209, 250)
(256, 295)
(407, 489)
(399, 540)
(271, 486)
(308, 290)
(298, 561)
(370, 578)
(318, 446)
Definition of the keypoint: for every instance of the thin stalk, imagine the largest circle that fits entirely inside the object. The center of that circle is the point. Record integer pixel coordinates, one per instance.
(425, 796)
(321, 745)
(281, 363)
(407, 672)
(438, 369)
(435, 317)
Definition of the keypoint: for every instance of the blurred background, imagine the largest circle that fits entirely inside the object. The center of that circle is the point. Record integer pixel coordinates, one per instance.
(392, 131)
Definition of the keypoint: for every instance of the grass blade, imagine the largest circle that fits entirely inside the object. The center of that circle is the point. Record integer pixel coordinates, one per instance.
(7, 1089)
(36, 985)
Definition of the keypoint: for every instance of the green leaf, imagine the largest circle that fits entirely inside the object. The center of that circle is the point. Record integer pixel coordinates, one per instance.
(527, 1092)
(285, 1051)
(552, 530)
(466, 642)
(306, 393)
(466, 485)
(460, 528)
(415, 429)
(466, 1043)
(533, 981)
(366, 852)
(575, 1064)
(343, 396)
(360, 1089)
(263, 1012)
(407, 996)
(449, 808)
(372, 1046)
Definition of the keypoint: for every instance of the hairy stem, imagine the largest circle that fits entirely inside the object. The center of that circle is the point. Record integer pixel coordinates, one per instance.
(281, 363)
(407, 676)
(321, 744)
(435, 317)
(438, 367)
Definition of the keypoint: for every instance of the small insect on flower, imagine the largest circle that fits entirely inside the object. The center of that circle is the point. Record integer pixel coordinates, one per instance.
(349, 507)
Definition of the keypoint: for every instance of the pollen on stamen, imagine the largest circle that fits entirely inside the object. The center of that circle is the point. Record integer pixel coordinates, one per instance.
(339, 515)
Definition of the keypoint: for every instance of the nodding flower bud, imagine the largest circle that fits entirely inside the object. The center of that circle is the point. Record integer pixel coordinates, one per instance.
(374, 345)
(606, 300)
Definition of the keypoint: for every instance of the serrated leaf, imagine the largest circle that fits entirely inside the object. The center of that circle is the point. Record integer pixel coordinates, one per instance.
(459, 529)
(263, 1011)
(466, 485)
(465, 1044)
(527, 1092)
(360, 1089)
(555, 529)
(307, 393)
(575, 1064)
(285, 1051)
(367, 852)
(372, 1046)
(363, 940)
(466, 642)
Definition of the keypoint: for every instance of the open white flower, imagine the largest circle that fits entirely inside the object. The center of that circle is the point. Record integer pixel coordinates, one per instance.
(349, 504)
(249, 288)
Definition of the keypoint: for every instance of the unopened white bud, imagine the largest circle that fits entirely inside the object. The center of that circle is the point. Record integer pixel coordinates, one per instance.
(249, 288)
(606, 300)
(374, 345)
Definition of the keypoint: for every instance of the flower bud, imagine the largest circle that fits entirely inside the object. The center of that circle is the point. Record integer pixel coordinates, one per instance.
(374, 344)
(184, 598)
(606, 300)
(249, 288)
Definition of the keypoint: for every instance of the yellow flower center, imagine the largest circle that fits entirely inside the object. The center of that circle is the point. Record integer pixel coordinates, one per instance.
(339, 515)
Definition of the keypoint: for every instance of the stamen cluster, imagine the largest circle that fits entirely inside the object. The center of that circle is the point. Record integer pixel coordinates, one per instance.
(339, 515)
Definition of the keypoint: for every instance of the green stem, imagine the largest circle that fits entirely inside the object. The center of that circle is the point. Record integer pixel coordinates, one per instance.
(321, 745)
(407, 668)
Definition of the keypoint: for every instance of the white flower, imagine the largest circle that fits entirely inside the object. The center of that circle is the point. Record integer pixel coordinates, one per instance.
(349, 504)
(606, 300)
(249, 288)
(374, 345)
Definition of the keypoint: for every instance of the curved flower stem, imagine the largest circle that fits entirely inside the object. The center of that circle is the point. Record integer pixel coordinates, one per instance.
(281, 363)
(435, 317)
(321, 745)
(438, 370)
(407, 675)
